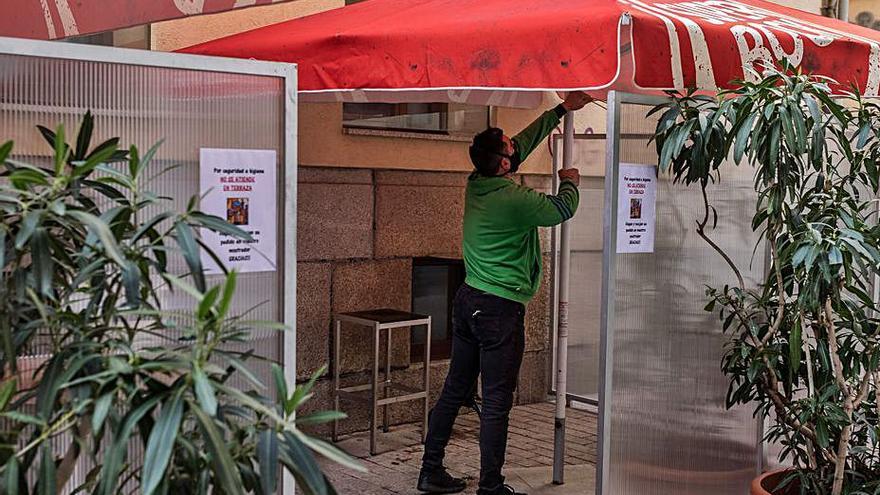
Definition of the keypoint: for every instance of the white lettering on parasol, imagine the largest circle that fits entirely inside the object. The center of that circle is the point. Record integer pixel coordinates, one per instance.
(753, 55)
(64, 13)
(674, 47)
(702, 62)
(190, 7)
(50, 25)
(751, 25)
(67, 20)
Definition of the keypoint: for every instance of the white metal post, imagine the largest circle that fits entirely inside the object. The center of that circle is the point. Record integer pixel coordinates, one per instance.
(562, 321)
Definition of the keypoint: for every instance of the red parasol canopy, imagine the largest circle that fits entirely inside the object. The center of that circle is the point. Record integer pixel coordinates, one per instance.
(50, 19)
(501, 51)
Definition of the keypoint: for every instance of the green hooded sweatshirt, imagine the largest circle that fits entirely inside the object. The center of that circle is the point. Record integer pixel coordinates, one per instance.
(502, 252)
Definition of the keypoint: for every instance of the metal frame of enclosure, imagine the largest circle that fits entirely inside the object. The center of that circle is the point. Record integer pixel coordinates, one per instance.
(191, 102)
(663, 426)
(641, 348)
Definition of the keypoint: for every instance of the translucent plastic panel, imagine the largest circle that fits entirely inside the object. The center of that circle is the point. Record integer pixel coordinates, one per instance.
(186, 110)
(670, 432)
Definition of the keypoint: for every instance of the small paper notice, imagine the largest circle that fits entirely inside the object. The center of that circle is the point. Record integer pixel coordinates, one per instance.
(637, 196)
(240, 187)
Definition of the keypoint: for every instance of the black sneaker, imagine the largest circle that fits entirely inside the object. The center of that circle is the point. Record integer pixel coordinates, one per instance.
(439, 481)
(502, 490)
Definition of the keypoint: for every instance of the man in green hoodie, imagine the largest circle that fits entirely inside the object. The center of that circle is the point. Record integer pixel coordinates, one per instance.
(502, 256)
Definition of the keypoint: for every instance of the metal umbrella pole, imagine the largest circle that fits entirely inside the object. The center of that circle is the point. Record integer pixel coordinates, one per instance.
(562, 320)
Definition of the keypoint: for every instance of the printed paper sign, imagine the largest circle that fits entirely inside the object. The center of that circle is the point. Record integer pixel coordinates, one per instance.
(240, 187)
(637, 194)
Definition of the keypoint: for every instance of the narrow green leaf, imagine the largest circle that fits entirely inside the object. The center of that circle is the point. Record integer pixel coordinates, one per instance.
(102, 407)
(150, 224)
(134, 162)
(105, 189)
(5, 151)
(302, 392)
(182, 285)
(245, 371)
(28, 225)
(800, 255)
(320, 418)
(330, 451)
(116, 455)
(864, 134)
(2, 248)
(102, 232)
(58, 207)
(303, 458)
(773, 153)
(788, 128)
(42, 259)
(822, 433)
(161, 442)
(835, 257)
(11, 476)
(800, 127)
(217, 224)
(112, 176)
(22, 179)
(46, 483)
(206, 305)
(48, 135)
(23, 418)
(187, 243)
(280, 382)
(131, 280)
(211, 254)
(267, 455)
(795, 348)
(84, 168)
(742, 137)
(204, 391)
(48, 387)
(148, 156)
(112, 143)
(84, 136)
(228, 292)
(225, 471)
(60, 150)
(6, 392)
(668, 119)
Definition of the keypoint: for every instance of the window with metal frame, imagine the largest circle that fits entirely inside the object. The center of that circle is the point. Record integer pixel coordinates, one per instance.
(133, 37)
(428, 118)
(434, 284)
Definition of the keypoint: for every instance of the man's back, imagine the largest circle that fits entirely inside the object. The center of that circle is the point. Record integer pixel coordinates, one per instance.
(502, 251)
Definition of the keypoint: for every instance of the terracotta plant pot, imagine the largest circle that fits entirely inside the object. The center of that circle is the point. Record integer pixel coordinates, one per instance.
(767, 482)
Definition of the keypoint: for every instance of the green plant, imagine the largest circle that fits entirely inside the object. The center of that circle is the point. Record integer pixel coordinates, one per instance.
(804, 345)
(86, 252)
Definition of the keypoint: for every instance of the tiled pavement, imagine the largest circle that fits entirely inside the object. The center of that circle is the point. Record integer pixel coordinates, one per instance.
(529, 455)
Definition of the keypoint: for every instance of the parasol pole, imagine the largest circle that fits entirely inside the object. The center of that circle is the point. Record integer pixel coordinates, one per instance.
(562, 320)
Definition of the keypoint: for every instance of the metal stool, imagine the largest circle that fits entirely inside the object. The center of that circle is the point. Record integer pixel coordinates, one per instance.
(379, 320)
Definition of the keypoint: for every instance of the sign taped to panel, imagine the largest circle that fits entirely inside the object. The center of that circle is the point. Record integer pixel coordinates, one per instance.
(240, 186)
(636, 213)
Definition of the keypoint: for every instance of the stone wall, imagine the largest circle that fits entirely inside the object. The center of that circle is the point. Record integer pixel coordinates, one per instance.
(358, 231)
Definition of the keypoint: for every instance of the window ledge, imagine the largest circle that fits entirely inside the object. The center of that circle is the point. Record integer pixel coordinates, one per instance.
(358, 131)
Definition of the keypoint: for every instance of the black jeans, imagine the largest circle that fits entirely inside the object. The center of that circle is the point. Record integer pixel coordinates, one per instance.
(488, 339)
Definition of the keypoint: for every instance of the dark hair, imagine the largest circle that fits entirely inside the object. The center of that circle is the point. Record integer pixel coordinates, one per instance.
(487, 151)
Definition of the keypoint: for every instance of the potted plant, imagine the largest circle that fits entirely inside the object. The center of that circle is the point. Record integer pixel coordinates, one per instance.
(87, 253)
(804, 345)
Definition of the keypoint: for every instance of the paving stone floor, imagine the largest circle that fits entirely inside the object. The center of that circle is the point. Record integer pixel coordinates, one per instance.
(529, 455)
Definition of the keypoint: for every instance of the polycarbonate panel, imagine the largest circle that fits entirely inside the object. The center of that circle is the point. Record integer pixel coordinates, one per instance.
(585, 268)
(670, 431)
(187, 109)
